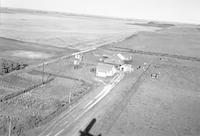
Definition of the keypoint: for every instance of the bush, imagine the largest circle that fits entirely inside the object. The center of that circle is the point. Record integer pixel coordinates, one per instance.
(7, 66)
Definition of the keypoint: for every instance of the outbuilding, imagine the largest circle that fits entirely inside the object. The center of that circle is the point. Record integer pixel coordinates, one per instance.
(124, 57)
(126, 68)
(114, 60)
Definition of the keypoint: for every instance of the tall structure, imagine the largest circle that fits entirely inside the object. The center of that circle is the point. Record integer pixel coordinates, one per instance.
(77, 60)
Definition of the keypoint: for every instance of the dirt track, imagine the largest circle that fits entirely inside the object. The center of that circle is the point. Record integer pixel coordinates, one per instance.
(121, 49)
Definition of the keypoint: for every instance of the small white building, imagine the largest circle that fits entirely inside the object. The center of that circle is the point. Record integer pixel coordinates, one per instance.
(126, 68)
(105, 70)
(78, 59)
(79, 56)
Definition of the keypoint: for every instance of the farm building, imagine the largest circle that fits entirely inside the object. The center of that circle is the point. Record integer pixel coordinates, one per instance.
(79, 56)
(104, 70)
(114, 60)
(126, 68)
(124, 57)
(78, 59)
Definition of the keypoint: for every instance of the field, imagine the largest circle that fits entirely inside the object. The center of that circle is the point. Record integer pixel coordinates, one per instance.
(174, 40)
(34, 36)
(63, 31)
(165, 106)
(29, 53)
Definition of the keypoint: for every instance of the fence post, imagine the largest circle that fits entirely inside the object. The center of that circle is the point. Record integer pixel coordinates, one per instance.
(43, 73)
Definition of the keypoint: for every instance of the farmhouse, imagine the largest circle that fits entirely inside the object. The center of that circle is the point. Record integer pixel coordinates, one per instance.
(104, 70)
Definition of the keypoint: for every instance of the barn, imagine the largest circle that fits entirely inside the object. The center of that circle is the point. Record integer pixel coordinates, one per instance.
(105, 70)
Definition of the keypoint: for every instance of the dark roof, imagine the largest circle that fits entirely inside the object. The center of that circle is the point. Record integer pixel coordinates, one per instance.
(114, 60)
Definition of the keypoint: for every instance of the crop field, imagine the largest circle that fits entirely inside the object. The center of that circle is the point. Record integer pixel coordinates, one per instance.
(29, 53)
(69, 31)
(33, 35)
(14, 83)
(175, 40)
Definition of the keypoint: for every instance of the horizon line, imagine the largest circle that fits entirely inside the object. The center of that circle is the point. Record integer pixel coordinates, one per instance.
(91, 15)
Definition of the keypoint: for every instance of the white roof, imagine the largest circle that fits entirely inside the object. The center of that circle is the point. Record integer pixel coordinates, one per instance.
(124, 56)
(104, 67)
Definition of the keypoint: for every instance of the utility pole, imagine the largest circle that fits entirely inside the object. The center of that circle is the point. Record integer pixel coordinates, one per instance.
(43, 72)
(9, 131)
(0, 14)
(70, 94)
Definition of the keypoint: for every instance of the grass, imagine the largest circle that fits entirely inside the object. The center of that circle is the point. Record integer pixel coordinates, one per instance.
(175, 40)
(37, 106)
(19, 51)
(166, 106)
(64, 31)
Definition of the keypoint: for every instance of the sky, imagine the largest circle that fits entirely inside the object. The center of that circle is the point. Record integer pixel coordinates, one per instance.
(186, 11)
